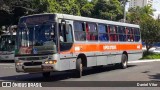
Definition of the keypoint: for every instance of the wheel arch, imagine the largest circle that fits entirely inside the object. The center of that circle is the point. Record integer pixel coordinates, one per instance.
(125, 52)
(83, 58)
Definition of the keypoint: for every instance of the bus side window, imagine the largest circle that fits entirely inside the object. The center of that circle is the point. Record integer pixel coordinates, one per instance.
(66, 38)
(136, 34)
(69, 37)
(130, 34)
(66, 35)
(113, 33)
(103, 32)
(121, 33)
(91, 32)
(79, 31)
(61, 35)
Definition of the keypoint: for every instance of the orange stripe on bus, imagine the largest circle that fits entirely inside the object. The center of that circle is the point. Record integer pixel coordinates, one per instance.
(102, 47)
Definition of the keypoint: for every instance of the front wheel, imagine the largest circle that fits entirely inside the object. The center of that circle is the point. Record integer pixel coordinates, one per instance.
(124, 61)
(79, 68)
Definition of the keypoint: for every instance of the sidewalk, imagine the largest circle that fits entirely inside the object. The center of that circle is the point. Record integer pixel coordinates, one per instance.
(144, 60)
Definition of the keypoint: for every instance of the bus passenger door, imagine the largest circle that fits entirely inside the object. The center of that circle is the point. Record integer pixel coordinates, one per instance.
(66, 45)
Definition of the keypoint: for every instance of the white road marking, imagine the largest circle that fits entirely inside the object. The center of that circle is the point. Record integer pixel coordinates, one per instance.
(141, 61)
(8, 67)
(4, 64)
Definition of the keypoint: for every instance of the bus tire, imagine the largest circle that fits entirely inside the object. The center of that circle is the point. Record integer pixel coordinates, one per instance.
(46, 74)
(124, 61)
(79, 68)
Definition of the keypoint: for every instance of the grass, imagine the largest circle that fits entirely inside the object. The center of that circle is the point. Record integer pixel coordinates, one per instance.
(150, 55)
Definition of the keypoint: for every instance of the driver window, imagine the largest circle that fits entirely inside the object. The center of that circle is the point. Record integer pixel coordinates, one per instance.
(67, 37)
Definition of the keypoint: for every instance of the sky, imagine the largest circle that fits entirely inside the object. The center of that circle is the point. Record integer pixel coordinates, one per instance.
(156, 6)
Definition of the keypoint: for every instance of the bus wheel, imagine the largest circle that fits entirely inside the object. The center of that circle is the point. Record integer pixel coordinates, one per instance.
(79, 68)
(124, 61)
(46, 74)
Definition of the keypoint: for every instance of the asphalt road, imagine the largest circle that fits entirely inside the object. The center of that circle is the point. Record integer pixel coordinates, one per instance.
(145, 71)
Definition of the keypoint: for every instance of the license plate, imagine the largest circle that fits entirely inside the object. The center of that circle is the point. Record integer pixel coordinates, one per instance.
(47, 68)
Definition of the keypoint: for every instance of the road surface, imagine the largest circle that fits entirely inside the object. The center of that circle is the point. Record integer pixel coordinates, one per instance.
(144, 71)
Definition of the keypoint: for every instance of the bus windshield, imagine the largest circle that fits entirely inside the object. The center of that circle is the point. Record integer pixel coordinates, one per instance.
(7, 43)
(39, 37)
(36, 35)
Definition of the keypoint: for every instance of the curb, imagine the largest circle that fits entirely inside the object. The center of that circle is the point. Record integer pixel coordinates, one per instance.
(141, 61)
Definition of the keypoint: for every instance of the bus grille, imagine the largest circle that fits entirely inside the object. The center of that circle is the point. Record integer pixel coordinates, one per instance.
(33, 58)
(32, 63)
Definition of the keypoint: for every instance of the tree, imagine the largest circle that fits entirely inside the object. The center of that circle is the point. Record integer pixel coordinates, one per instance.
(108, 9)
(11, 11)
(87, 10)
(134, 15)
(63, 6)
(150, 28)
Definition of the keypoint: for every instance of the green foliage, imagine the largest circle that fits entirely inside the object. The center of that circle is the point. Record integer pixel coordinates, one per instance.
(62, 6)
(150, 28)
(137, 14)
(12, 10)
(108, 9)
(87, 10)
(150, 55)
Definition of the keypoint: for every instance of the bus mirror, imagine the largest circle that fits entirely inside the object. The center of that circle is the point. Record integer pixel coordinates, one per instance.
(65, 26)
(63, 21)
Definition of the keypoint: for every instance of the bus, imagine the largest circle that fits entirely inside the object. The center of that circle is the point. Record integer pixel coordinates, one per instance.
(58, 42)
(7, 46)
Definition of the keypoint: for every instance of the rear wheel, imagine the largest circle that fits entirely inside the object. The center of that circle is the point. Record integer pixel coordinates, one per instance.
(46, 74)
(79, 68)
(124, 61)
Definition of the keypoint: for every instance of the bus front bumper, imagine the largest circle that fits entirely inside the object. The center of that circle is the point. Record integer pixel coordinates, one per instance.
(36, 68)
(7, 57)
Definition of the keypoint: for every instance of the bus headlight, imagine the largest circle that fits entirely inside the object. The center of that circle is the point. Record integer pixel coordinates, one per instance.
(51, 62)
(19, 63)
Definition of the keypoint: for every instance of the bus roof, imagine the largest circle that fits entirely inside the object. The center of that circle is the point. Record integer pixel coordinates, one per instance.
(87, 19)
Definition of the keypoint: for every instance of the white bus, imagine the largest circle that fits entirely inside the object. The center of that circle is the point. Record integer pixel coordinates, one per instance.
(57, 42)
(7, 46)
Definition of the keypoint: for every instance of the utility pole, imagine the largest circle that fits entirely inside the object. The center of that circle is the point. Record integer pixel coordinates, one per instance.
(124, 13)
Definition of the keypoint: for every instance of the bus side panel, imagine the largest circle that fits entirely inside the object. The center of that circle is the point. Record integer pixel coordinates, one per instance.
(101, 58)
(67, 64)
(135, 55)
(115, 57)
(91, 59)
(118, 58)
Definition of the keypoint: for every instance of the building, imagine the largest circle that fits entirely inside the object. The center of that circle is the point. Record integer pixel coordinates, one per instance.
(140, 3)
